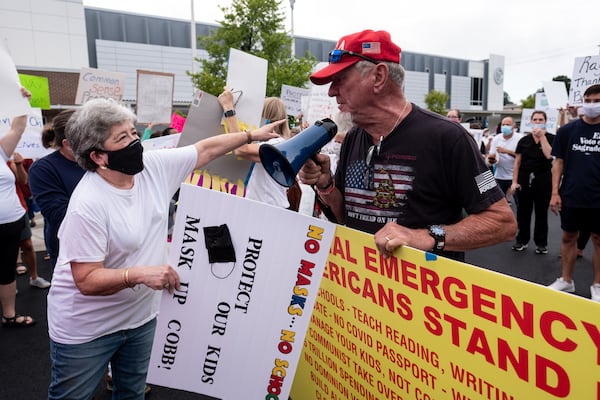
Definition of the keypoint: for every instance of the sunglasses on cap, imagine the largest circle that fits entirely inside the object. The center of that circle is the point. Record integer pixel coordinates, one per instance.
(335, 56)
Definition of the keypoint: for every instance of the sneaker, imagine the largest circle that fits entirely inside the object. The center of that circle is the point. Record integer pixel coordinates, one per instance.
(519, 246)
(39, 282)
(595, 291)
(541, 250)
(561, 285)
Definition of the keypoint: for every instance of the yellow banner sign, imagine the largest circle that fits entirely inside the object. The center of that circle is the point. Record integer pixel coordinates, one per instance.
(417, 326)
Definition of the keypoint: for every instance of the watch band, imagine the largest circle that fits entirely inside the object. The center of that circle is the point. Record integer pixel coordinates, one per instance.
(229, 113)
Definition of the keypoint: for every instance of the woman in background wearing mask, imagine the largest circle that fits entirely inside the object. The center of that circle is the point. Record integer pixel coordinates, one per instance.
(112, 261)
(502, 154)
(532, 184)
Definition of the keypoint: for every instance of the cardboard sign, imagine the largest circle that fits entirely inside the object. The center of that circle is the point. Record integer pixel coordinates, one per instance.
(586, 72)
(154, 96)
(30, 145)
(12, 102)
(236, 327)
(39, 89)
(96, 83)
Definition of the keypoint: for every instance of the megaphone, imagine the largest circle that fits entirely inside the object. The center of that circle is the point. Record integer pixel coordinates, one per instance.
(284, 160)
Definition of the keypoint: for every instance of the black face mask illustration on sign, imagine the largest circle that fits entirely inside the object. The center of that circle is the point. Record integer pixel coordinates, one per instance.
(220, 250)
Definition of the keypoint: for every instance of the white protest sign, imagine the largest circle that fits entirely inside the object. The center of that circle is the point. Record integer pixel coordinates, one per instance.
(247, 78)
(541, 101)
(161, 142)
(30, 145)
(551, 120)
(291, 97)
(235, 329)
(556, 94)
(154, 97)
(586, 72)
(97, 83)
(320, 105)
(12, 102)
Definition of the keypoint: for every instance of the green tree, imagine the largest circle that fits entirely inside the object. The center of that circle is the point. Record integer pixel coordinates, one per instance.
(255, 27)
(565, 79)
(529, 102)
(436, 101)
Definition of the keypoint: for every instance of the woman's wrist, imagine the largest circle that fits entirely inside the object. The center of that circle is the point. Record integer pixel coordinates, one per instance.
(248, 136)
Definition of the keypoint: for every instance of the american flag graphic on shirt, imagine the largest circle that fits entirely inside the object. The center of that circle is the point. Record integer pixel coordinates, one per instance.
(379, 190)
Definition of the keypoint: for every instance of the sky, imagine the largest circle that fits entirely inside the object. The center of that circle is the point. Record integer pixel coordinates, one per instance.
(539, 39)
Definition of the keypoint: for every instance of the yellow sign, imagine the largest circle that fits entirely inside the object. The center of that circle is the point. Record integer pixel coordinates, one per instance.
(417, 326)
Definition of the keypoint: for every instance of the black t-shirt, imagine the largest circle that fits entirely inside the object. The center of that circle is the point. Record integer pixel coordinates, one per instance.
(578, 145)
(429, 171)
(532, 156)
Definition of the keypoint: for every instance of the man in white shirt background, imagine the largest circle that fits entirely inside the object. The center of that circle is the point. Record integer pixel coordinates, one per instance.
(502, 154)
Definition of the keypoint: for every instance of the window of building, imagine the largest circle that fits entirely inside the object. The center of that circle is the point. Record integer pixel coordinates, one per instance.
(477, 91)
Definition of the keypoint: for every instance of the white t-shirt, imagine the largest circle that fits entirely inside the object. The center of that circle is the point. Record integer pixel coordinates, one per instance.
(123, 228)
(505, 163)
(11, 209)
(263, 188)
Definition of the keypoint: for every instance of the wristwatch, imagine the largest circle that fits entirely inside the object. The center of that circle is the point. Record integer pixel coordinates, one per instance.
(438, 234)
(229, 113)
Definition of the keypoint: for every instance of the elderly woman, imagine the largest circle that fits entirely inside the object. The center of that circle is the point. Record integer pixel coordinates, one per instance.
(112, 261)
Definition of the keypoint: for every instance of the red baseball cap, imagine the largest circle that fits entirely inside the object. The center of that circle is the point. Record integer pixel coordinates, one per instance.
(374, 45)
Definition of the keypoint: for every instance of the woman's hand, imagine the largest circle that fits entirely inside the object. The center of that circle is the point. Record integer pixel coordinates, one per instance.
(266, 132)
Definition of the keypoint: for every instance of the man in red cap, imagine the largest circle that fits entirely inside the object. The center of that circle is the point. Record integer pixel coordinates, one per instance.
(405, 174)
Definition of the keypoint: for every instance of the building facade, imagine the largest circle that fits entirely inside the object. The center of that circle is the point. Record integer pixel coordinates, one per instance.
(55, 38)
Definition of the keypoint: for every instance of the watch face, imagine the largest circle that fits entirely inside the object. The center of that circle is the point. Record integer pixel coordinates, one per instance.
(437, 230)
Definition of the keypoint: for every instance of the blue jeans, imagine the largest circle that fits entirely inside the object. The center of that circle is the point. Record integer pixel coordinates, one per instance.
(77, 369)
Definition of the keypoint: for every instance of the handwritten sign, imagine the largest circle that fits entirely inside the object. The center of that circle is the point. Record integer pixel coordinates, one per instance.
(154, 96)
(39, 89)
(417, 326)
(586, 72)
(235, 328)
(551, 119)
(30, 145)
(177, 122)
(291, 97)
(97, 83)
(161, 142)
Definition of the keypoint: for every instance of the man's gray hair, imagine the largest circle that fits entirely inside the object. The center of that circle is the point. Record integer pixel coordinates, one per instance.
(396, 70)
(90, 126)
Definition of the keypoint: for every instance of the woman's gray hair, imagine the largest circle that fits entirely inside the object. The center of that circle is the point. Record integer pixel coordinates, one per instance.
(396, 70)
(90, 126)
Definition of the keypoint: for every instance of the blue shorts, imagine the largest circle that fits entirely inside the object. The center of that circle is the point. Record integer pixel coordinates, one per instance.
(580, 219)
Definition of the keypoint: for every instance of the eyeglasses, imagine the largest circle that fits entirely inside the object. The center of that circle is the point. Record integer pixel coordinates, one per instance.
(374, 149)
(335, 56)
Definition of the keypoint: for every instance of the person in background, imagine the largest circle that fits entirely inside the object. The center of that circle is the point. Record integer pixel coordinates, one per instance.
(454, 115)
(576, 189)
(260, 186)
(502, 154)
(532, 184)
(26, 244)
(405, 174)
(12, 222)
(343, 121)
(112, 262)
(53, 178)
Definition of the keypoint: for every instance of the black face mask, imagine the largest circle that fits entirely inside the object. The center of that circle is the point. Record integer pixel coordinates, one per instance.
(128, 160)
